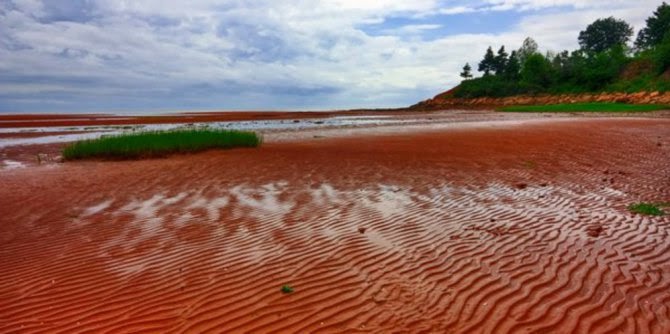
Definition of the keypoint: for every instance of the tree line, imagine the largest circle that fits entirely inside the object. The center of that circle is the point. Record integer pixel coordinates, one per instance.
(598, 64)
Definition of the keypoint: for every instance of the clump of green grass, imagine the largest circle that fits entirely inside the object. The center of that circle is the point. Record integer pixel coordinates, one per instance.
(646, 209)
(159, 143)
(286, 289)
(587, 107)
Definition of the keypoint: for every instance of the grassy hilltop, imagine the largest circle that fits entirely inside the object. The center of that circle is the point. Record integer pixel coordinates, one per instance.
(604, 63)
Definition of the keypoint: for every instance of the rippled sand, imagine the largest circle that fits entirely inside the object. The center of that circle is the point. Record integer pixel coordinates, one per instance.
(503, 228)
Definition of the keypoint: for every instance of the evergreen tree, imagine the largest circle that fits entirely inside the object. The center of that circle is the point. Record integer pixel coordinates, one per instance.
(513, 67)
(500, 61)
(601, 64)
(658, 27)
(561, 64)
(467, 72)
(487, 65)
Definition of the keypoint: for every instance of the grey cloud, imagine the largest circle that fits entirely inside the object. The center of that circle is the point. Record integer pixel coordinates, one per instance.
(67, 10)
(161, 54)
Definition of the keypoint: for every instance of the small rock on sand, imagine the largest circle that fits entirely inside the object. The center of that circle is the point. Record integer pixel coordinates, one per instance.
(595, 231)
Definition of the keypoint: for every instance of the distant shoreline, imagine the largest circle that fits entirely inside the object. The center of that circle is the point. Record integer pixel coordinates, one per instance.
(20, 120)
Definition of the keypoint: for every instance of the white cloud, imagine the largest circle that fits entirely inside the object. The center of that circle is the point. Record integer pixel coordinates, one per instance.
(410, 29)
(262, 53)
(456, 10)
(536, 4)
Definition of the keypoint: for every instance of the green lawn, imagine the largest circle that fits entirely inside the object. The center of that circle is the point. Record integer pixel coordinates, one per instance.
(159, 143)
(587, 107)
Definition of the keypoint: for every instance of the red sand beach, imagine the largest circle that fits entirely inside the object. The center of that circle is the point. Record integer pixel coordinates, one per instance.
(49, 120)
(511, 228)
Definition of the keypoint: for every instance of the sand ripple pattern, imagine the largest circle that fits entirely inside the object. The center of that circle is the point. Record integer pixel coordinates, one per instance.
(518, 229)
(497, 259)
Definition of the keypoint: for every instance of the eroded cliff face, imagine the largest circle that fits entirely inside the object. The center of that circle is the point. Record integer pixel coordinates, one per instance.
(445, 102)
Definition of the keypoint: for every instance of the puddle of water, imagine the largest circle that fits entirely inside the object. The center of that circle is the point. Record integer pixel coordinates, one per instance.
(92, 132)
(65, 120)
(262, 202)
(11, 164)
(363, 117)
(97, 208)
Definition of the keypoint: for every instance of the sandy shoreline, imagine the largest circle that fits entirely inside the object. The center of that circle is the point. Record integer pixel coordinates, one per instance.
(507, 227)
(51, 120)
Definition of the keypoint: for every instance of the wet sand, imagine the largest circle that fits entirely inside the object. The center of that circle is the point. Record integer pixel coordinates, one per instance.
(19, 134)
(52, 120)
(517, 227)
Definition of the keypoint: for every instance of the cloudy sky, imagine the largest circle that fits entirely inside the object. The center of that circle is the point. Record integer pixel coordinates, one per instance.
(161, 55)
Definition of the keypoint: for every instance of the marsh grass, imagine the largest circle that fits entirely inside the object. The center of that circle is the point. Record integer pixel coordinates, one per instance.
(650, 209)
(159, 143)
(286, 289)
(587, 107)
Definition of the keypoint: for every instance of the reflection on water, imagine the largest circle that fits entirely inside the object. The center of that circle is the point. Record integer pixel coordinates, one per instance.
(11, 164)
(90, 132)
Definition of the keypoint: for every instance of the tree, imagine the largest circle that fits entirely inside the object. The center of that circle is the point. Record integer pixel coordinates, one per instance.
(658, 27)
(467, 72)
(562, 66)
(537, 71)
(603, 68)
(560, 60)
(528, 48)
(512, 67)
(661, 55)
(603, 34)
(500, 61)
(488, 63)
(575, 68)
